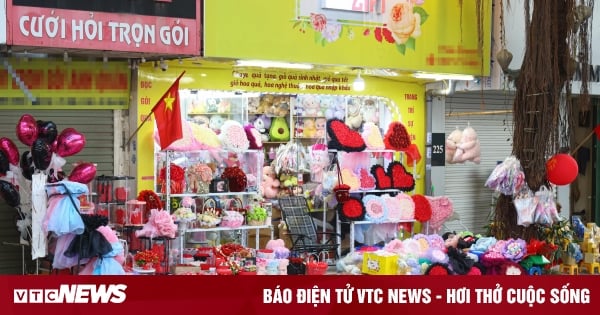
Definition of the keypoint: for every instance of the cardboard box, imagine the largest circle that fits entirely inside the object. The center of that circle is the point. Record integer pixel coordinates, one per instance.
(380, 263)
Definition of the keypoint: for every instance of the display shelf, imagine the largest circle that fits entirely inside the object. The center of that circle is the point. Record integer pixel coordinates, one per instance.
(216, 194)
(215, 113)
(375, 191)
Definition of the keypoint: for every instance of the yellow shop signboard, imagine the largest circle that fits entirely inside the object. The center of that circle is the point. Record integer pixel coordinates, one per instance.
(450, 36)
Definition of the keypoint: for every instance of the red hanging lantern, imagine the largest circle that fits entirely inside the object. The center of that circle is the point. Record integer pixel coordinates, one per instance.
(561, 169)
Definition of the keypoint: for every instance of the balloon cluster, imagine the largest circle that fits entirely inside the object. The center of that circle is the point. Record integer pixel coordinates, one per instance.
(48, 148)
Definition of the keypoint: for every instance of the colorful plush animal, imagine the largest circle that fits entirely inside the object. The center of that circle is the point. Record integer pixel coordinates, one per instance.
(262, 123)
(270, 184)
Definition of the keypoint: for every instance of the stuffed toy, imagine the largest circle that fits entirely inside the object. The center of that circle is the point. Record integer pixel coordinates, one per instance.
(201, 120)
(370, 112)
(354, 118)
(254, 137)
(212, 105)
(233, 137)
(262, 123)
(309, 127)
(224, 106)
(264, 103)
(280, 106)
(216, 122)
(320, 124)
(337, 109)
(469, 148)
(451, 144)
(311, 105)
(298, 129)
(253, 105)
(270, 184)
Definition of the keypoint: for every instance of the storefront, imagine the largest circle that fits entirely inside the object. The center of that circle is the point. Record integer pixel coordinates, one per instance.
(71, 64)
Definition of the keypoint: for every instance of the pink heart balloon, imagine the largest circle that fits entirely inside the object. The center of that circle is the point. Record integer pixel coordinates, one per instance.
(83, 173)
(27, 129)
(69, 142)
(10, 149)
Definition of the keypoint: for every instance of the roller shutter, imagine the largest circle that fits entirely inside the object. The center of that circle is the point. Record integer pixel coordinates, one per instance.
(464, 183)
(98, 128)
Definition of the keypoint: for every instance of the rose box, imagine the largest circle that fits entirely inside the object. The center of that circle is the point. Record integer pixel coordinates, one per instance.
(377, 263)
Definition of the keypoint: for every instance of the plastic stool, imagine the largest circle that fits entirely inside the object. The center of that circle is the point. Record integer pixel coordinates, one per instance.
(572, 269)
(591, 268)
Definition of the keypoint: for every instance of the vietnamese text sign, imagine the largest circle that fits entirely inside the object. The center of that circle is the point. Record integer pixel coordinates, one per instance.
(49, 27)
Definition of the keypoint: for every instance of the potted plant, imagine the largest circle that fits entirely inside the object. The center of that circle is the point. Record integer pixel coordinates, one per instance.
(256, 216)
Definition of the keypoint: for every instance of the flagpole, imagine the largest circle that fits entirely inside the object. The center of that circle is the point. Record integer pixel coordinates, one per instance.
(152, 111)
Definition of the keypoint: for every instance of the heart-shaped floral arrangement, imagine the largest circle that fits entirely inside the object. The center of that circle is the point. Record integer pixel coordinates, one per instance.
(351, 210)
(367, 181)
(401, 179)
(396, 137)
(394, 208)
(375, 209)
(342, 138)
(422, 208)
(382, 180)
(350, 179)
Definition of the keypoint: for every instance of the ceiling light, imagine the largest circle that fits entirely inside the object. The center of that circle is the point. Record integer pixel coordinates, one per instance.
(273, 64)
(359, 83)
(66, 56)
(143, 59)
(442, 76)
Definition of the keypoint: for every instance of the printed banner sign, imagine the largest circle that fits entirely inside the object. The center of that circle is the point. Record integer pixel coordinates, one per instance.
(333, 294)
(63, 28)
(44, 84)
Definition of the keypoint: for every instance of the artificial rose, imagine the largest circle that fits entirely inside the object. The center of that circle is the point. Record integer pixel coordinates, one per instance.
(403, 22)
(318, 21)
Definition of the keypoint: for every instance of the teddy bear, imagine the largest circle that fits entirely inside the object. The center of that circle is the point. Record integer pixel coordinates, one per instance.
(469, 148)
(264, 103)
(320, 124)
(354, 117)
(311, 105)
(310, 129)
(253, 105)
(370, 112)
(337, 108)
(270, 184)
(280, 107)
(262, 123)
(452, 142)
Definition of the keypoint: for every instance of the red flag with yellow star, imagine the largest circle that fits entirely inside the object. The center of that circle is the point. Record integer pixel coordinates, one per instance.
(167, 113)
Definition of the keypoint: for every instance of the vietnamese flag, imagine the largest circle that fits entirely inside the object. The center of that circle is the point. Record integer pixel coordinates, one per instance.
(167, 113)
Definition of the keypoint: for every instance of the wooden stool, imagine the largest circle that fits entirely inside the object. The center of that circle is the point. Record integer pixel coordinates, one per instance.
(570, 269)
(591, 268)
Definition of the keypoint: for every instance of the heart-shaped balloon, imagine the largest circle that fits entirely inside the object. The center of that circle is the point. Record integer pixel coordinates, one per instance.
(83, 173)
(47, 130)
(10, 149)
(26, 164)
(69, 142)
(41, 154)
(9, 193)
(27, 129)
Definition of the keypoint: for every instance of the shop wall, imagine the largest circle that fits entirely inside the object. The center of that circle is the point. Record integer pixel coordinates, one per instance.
(442, 38)
(407, 100)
